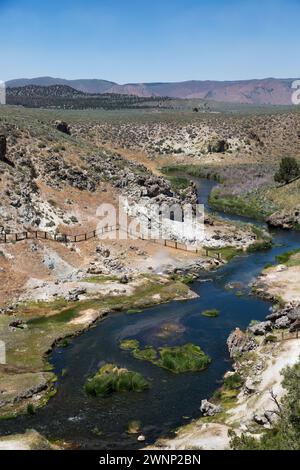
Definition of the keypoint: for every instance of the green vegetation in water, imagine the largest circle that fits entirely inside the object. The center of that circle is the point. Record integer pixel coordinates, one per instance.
(129, 344)
(110, 379)
(287, 258)
(178, 182)
(285, 433)
(196, 171)
(211, 313)
(134, 427)
(232, 204)
(188, 357)
(178, 359)
(133, 311)
(227, 252)
(146, 354)
(30, 409)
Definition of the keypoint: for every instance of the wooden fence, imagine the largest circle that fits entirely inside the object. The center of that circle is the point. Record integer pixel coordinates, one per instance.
(67, 238)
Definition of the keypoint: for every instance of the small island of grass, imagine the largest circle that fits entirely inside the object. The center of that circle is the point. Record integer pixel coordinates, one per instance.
(186, 358)
(177, 359)
(211, 313)
(110, 379)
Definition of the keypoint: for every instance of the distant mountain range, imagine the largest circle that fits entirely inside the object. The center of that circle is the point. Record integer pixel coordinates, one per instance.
(269, 91)
(66, 97)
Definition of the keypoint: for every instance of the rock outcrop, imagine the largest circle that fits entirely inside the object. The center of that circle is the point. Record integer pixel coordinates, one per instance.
(239, 342)
(285, 219)
(209, 409)
(261, 328)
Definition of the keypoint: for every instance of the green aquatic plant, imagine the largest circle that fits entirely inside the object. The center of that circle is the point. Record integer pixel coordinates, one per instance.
(110, 379)
(178, 359)
(188, 357)
(147, 354)
(129, 344)
(211, 313)
(133, 311)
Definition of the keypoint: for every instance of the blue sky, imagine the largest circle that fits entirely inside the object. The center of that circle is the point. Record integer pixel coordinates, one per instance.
(149, 40)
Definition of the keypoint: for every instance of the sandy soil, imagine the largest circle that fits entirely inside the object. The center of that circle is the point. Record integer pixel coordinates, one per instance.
(283, 282)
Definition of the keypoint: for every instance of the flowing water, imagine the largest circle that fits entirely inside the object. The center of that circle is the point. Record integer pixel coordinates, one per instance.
(172, 400)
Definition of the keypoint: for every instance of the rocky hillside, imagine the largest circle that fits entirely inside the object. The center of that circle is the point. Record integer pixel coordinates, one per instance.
(268, 91)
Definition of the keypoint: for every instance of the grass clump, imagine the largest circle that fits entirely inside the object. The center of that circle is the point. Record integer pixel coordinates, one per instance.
(110, 379)
(211, 313)
(233, 382)
(270, 339)
(146, 354)
(134, 427)
(129, 344)
(178, 359)
(133, 311)
(30, 409)
(287, 258)
(188, 357)
(187, 279)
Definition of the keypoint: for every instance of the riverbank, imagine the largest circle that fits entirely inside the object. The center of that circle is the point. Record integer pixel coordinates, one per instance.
(27, 380)
(247, 402)
(248, 408)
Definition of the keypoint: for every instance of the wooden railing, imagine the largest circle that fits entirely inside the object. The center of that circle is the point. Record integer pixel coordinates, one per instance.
(67, 238)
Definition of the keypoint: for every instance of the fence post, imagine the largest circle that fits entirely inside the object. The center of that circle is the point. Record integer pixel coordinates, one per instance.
(282, 335)
(5, 237)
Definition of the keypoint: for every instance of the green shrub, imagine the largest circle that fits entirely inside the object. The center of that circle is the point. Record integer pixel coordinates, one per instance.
(270, 339)
(288, 170)
(233, 382)
(30, 409)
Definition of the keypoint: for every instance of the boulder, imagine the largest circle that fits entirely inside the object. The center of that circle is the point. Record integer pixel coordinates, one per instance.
(124, 279)
(294, 314)
(295, 326)
(74, 294)
(17, 324)
(105, 252)
(209, 409)
(259, 329)
(239, 342)
(282, 322)
(249, 386)
(62, 126)
(285, 219)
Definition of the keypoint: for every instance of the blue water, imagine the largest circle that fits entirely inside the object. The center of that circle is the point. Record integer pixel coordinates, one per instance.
(172, 400)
